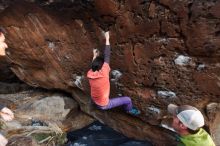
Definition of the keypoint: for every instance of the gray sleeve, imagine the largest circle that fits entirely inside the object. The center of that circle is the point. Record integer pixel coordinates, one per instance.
(1, 106)
(107, 53)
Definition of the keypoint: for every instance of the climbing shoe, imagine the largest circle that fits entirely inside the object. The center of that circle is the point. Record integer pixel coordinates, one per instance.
(134, 111)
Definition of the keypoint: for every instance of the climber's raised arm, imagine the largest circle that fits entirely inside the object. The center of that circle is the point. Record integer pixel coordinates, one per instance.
(107, 50)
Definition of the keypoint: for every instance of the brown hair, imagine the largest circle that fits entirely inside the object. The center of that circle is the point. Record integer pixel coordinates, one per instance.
(97, 63)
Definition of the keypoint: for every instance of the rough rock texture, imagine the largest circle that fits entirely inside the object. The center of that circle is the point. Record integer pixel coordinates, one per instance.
(167, 51)
(213, 114)
(13, 87)
(22, 141)
(39, 115)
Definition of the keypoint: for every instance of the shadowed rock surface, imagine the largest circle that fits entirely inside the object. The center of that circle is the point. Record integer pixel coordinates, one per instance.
(6, 74)
(167, 52)
(41, 117)
(97, 134)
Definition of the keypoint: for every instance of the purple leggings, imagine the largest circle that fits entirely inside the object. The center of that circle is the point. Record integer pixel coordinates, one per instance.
(118, 101)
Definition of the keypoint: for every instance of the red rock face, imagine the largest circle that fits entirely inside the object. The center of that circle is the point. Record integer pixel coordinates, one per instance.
(157, 46)
(45, 48)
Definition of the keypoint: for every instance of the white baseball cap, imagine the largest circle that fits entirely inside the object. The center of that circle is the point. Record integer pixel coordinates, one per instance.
(190, 116)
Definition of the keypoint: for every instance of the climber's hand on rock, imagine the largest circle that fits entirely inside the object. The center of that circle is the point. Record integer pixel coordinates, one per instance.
(7, 114)
(107, 35)
(3, 140)
(3, 45)
(107, 38)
